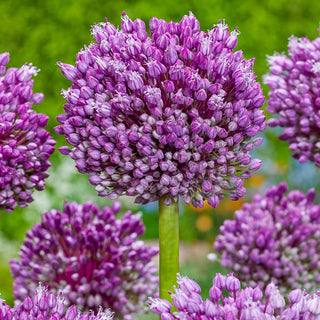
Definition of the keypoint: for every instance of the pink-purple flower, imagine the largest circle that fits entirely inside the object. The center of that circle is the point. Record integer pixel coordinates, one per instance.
(171, 115)
(276, 239)
(45, 305)
(227, 301)
(294, 97)
(25, 146)
(94, 259)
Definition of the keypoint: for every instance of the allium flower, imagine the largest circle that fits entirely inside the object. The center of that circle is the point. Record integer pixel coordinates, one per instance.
(163, 116)
(89, 255)
(276, 238)
(5, 311)
(243, 304)
(45, 305)
(25, 146)
(295, 97)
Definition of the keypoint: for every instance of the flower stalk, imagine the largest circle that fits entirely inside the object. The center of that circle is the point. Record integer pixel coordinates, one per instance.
(169, 247)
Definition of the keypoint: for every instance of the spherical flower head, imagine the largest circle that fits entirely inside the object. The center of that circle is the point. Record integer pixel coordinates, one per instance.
(90, 256)
(25, 146)
(274, 238)
(47, 306)
(164, 116)
(294, 97)
(245, 304)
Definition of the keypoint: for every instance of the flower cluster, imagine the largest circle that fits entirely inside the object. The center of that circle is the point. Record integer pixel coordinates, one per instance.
(276, 238)
(25, 146)
(245, 304)
(169, 115)
(45, 305)
(295, 97)
(90, 256)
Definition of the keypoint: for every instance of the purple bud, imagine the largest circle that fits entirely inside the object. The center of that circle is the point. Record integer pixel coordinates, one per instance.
(188, 285)
(69, 71)
(257, 294)
(255, 164)
(232, 40)
(214, 201)
(167, 316)
(43, 302)
(126, 23)
(295, 296)
(170, 56)
(27, 303)
(215, 294)
(206, 186)
(159, 306)
(4, 58)
(201, 95)
(219, 281)
(10, 76)
(195, 126)
(180, 301)
(37, 98)
(232, 283)
(168, 86)
(314, 305)
(72, 313)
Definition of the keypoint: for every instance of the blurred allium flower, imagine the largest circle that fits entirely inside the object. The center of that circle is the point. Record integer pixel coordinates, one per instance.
(25, 146)
(245, 304)
(276, 238)
(45, 305)
(89, 255)
(167, 116)
(295, 97)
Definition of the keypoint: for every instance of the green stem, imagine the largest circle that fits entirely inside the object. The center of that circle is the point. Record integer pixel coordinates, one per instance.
(169, 247)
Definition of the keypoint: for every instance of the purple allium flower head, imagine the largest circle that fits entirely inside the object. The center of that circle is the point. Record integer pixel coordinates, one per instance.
(163, 116)
(241, 304)
(47, 306)
(89, 255)
(25, 146)
(294, 97)
(276, 238)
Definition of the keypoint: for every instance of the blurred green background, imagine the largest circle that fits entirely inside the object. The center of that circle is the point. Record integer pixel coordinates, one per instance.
(46, 31)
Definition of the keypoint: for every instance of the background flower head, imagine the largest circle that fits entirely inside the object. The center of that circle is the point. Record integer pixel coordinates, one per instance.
(25, 146)
(294, 97)
(90, 256)
(246, 304)
(274, 238)
(45, 305)
(169, 115)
